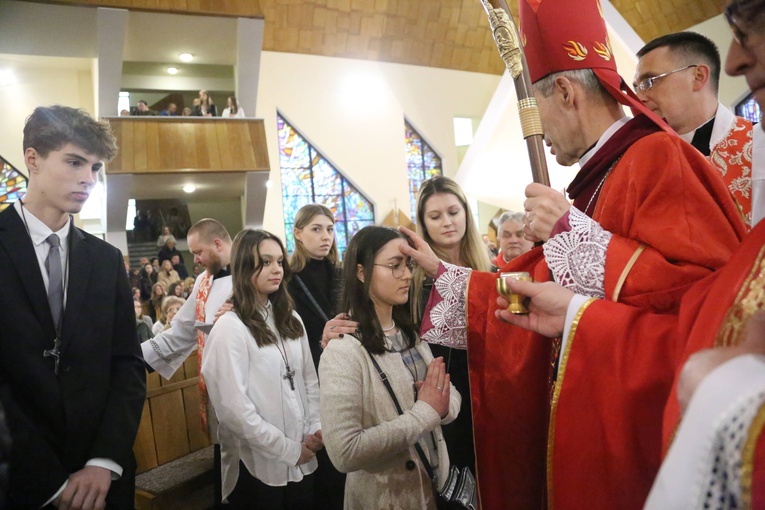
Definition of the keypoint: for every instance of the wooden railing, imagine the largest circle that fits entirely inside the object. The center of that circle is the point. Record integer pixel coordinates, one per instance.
(170, 423)
(188, 144)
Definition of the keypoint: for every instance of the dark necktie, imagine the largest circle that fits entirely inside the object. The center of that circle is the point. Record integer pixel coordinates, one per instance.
(55, 280)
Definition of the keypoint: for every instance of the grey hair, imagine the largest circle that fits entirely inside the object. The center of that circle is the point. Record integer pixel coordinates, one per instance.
(510, 215)
(584, 77)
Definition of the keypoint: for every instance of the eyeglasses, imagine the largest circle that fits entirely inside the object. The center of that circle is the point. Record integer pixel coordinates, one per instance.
(742, 10)
(651, 80)
(398, 269)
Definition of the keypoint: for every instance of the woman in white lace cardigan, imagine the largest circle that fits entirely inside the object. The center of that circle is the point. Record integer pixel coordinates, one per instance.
(364, 434)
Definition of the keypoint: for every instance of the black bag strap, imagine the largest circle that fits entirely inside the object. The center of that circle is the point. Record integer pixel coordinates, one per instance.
(311, 298)
(388, 387)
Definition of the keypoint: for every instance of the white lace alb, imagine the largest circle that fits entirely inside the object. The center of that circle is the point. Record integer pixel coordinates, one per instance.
(448, 316)
(577, 258)
(720, 487)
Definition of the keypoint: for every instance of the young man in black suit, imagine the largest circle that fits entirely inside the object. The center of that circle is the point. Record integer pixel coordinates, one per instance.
(72, 378)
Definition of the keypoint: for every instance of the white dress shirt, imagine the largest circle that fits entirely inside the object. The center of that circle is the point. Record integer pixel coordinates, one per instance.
(39, 232)
(238, 115)
(261, 419)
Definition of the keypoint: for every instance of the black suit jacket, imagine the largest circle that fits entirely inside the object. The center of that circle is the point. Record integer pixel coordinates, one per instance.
(93, 407)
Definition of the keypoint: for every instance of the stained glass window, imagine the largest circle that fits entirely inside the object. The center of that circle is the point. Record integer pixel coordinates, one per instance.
(308, 178)
(422, 163)
(749, 109)
(13, 185)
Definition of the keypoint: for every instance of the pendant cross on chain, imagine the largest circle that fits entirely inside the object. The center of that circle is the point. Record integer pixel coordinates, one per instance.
(290, 375)
(55, 354)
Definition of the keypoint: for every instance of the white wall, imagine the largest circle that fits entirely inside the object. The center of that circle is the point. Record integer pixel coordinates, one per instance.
(732, 89)
(47, 30)
(228, 212)
(39, 81)
(353, 112)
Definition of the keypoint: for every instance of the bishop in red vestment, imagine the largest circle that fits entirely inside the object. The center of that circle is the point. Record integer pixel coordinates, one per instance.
(619, 362)
(650, 217)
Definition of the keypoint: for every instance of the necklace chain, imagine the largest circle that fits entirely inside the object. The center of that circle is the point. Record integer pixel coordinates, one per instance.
(597, 190)
(388, 329)
(290, 375)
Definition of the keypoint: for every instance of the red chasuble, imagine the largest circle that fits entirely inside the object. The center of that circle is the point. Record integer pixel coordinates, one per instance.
(644, 352)
(673, 223)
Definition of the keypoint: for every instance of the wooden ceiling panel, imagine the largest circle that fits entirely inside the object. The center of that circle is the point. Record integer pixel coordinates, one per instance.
(452, 34)
(654, 18)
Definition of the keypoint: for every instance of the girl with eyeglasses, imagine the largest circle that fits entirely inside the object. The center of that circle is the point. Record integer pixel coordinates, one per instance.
(364, 433)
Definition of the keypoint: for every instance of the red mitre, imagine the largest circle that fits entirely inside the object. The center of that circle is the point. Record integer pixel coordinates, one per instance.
(563, 35)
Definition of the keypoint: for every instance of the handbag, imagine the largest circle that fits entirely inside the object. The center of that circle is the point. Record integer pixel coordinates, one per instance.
(459, 490)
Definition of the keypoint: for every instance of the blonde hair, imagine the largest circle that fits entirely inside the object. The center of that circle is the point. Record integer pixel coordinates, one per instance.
(303, 218)
(166, 304)
(472, 248)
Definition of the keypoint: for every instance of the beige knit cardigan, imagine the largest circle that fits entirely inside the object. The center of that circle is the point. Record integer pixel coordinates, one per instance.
(367, 438)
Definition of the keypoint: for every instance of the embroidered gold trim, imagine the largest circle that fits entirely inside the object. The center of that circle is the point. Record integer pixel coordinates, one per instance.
(625, 272)
(750, 298)
(556, 397)
(747, 457)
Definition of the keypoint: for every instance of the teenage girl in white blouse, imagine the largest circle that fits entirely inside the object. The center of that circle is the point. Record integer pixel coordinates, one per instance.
(263, 385)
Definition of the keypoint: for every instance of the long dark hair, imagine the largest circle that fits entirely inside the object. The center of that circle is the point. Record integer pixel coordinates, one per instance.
(355, 297)
(246, 263)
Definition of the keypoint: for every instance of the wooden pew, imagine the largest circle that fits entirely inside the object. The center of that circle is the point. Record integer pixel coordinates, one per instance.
(174, 455)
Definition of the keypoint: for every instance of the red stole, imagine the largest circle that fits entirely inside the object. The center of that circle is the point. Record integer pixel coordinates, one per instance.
(732, 156)
(202, 292)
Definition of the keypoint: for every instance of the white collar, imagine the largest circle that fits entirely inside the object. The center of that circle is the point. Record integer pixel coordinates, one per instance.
(38, 230)
(724, 120)
(607, 134)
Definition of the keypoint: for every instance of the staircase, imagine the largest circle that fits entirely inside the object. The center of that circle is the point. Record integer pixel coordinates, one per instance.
(138, 250)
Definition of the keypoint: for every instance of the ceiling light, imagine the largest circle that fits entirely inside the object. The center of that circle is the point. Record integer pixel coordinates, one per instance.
(269, 183)
(186, 57)
(189, 188)
(172, 70)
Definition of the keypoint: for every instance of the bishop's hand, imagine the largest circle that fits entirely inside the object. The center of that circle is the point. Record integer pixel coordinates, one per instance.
(547, 307)
(544, 207)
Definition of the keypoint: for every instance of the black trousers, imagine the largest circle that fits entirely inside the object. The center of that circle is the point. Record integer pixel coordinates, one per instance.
(459, 433)
(330, 484)
(251, 494)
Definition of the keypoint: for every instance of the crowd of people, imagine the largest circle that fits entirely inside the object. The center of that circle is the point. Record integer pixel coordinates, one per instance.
(201, 106)
(380, 382)
(160, 286)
